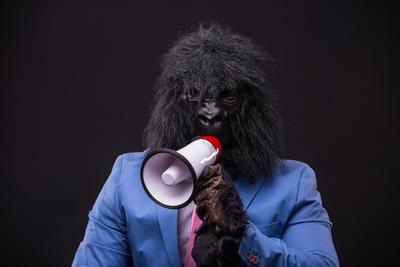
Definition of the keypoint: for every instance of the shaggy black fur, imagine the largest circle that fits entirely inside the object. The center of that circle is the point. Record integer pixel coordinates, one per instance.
(212, 59)
(217, 245)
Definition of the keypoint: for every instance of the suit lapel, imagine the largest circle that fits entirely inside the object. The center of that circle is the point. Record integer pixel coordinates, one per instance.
(168, 221)
(248, 188)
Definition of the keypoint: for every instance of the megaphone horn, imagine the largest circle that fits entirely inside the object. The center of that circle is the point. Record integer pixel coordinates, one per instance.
(170, 177)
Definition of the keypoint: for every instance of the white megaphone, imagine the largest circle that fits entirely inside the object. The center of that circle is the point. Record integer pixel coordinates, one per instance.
(170, 177)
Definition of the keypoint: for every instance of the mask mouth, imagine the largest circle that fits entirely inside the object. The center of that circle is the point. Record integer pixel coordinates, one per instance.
(210, 121)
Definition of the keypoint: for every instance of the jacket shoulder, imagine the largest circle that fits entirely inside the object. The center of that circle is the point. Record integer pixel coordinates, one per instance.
(131, 159)
(292, 168)
(291, 176)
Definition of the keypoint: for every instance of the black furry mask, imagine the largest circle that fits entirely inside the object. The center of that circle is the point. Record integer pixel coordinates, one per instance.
(212, 59)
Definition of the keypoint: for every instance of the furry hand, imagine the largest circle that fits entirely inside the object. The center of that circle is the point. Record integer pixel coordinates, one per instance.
(219, 204)
(220, 207)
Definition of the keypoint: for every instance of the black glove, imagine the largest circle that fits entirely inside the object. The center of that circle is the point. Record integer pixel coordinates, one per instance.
(220, 207)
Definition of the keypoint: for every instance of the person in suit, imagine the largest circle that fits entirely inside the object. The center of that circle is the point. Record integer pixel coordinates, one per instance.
(257, 209)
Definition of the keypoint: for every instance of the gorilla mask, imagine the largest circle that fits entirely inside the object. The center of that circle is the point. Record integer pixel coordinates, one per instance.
(214, 82)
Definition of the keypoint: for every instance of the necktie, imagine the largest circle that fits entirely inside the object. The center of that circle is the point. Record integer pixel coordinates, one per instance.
(196, 222)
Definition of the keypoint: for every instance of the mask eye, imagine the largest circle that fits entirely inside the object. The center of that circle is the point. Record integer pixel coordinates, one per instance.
(192, 95)
(229, 97)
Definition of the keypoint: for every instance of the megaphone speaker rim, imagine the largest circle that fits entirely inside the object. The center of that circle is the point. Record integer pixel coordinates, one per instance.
(187, 163)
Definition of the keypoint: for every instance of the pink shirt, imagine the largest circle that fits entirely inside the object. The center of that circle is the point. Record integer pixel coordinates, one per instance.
(184, 225)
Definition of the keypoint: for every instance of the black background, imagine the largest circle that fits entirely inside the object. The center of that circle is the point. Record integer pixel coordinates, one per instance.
(76, 83)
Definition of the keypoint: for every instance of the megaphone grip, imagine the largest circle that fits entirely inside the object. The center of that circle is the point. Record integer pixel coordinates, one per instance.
(214, 141)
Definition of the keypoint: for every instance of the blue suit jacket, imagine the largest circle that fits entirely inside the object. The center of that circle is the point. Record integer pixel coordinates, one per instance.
(288, 225)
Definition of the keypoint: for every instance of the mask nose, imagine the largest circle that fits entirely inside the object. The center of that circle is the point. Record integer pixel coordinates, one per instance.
(209, 110)
(210, 113)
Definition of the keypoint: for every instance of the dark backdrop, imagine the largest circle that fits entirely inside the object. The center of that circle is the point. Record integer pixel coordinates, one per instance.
(76, 82)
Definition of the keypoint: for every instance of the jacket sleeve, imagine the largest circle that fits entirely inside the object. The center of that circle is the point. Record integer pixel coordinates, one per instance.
(105, 242)
(306, 240)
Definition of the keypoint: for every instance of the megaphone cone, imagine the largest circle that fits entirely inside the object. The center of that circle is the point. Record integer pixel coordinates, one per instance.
(170, 177)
